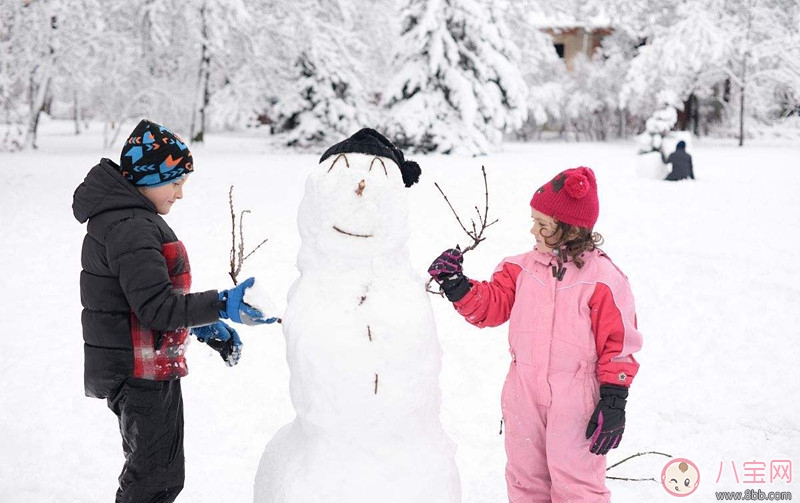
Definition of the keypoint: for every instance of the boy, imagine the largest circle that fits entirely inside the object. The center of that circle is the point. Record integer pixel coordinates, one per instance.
(137, 308)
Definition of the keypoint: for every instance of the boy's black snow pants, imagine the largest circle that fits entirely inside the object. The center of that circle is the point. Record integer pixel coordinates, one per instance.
(150, 417)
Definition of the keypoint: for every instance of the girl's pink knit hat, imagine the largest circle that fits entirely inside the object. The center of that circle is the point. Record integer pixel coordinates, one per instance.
(570, 197)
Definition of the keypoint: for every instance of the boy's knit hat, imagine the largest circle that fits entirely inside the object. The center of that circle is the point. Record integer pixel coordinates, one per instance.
(369, 141)
(570, 197)
(153, 155)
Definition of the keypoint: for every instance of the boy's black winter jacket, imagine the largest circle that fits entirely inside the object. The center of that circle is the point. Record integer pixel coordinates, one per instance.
(124, 271)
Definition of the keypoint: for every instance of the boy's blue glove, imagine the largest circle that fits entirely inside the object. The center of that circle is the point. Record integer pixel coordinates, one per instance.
(237, 310)
(222, 339)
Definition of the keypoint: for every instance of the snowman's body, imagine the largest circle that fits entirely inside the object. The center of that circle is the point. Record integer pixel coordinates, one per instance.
(363, 353)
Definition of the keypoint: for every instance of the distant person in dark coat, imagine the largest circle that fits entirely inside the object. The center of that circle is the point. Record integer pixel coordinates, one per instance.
(681, 163)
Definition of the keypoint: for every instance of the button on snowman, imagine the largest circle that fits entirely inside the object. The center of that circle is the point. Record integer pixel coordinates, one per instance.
(361, 345)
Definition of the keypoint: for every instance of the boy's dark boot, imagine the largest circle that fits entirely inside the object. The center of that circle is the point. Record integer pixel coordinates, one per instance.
(151, 423)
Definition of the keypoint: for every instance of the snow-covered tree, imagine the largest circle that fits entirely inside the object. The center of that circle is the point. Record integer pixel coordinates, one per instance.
(580, 101)
(541, 68)
(39, 16)
(147, 66)
(225, 37)
(325, 100)
(252, 71)
(458, 87)
(746, 46)
(444, 75)
(45, 45)
(767, 76)
(12, 78)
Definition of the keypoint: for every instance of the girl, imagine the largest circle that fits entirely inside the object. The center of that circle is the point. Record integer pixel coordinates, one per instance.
(572, 334)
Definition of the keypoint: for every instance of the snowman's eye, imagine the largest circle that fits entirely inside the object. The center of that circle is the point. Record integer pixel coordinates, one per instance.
(340, 156)
(382, 164)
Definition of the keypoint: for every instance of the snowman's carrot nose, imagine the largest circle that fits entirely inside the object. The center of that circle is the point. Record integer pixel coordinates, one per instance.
(360, 189)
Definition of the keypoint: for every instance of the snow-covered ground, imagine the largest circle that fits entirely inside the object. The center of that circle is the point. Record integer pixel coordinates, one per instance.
(713, 265)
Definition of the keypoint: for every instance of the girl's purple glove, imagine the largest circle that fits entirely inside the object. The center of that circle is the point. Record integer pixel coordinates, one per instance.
(447, 264)
(608, 420)
(447, 271)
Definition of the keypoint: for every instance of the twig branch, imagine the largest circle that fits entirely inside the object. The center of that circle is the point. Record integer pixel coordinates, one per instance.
(238, 256)
(233, 271)
(636, 456)
(458, 219)
(478, 228)
(254, 250)
(627, 479)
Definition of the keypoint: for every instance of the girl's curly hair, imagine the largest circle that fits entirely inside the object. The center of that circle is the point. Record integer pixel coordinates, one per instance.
(570, 250)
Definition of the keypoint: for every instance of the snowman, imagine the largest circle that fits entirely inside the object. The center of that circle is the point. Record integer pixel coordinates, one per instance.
(361, 345)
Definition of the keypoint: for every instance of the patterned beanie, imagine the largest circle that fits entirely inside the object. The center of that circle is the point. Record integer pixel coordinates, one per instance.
(570, 197)
(153, 155)
(369, 141)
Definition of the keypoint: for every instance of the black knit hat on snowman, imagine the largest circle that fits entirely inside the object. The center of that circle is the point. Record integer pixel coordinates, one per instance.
(369, 141)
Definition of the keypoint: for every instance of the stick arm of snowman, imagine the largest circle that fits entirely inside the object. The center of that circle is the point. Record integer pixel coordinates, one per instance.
(477, 228)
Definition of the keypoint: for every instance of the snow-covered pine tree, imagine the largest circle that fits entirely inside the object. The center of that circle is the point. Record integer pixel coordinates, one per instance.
(458, 87)
(325, 101)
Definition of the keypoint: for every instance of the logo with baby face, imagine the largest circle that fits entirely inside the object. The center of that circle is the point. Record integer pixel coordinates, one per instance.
(680, 477)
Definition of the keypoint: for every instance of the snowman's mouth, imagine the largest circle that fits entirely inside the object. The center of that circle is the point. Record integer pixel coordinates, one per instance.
(352, 233)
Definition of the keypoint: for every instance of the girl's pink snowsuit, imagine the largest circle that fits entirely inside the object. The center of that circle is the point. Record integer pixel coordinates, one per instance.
(566, 337)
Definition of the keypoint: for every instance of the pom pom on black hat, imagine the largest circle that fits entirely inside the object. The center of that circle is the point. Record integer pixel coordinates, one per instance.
(368, 141)
(410, 171)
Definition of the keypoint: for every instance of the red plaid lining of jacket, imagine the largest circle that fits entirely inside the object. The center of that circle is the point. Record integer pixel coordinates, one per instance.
(168, 362)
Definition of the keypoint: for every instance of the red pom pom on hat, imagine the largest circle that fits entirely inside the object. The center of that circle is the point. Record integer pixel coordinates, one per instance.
(577, 185)
(570, 197)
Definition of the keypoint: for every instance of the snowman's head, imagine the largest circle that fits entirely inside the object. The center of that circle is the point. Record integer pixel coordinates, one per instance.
(355, 205)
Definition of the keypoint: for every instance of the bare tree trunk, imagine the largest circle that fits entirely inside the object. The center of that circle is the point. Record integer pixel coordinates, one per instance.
(38, 97)
(744, 71)
(33, 113)
(39, 91)
(204, 76)
(147, 38)
(741, 101)
(76, 112)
